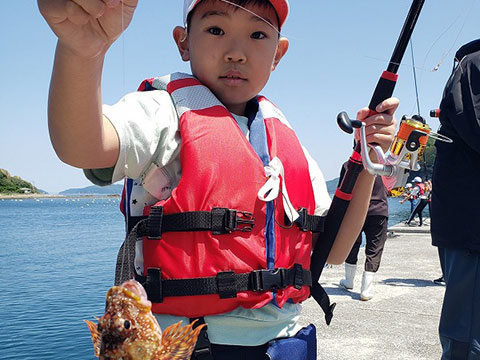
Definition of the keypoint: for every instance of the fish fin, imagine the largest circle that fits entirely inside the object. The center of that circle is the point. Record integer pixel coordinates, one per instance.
(96, 337)
(179, 342)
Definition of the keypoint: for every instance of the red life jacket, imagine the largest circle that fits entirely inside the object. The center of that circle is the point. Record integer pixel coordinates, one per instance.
(220, 169)
(422, 188)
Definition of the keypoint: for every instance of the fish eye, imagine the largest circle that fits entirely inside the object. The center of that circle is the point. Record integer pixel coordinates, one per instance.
(127, 324)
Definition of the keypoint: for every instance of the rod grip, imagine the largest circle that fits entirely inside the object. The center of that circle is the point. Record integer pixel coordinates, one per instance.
(383, 90)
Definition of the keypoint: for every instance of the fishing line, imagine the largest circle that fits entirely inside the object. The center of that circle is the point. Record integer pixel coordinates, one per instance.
(469, 11)
(252, 13)
(123, 46)
(415, 76)
(127, 205)
(403, 64)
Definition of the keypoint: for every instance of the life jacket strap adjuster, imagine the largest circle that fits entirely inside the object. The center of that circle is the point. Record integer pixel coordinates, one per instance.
(154, 223)
(226, 221)
(298, 277)
(268, 280)
(153, 285)
(226, 285)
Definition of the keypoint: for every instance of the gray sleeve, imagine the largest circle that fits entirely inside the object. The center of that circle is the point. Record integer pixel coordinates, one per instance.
(147, 128)
(101, 177)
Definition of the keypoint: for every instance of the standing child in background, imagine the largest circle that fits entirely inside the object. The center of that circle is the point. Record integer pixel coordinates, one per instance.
(420, 199)
(375, 230)
(216, 165)
(407, 195)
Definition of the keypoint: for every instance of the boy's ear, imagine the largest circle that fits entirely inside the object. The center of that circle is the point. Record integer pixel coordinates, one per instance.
(180, 36)
(282, 48)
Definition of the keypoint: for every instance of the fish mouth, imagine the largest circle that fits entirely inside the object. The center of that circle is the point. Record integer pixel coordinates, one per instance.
(110, 345)
(135, 288)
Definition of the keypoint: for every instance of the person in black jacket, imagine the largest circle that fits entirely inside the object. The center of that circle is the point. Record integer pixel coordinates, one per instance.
(456, 206)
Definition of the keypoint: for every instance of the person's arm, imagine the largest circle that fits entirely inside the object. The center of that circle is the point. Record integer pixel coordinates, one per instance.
(85, 29)
(380, 129)
(461, 105)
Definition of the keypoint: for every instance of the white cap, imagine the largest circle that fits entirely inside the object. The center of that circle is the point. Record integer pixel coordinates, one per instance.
(281, 7)
(417, 179)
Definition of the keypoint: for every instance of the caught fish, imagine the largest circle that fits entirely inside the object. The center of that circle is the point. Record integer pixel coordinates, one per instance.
(129, 331)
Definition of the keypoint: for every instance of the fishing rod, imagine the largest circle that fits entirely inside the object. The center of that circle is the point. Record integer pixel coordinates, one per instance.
(343, 194)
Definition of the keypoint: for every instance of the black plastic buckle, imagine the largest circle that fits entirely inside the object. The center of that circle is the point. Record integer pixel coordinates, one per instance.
(302, 219)
(235, 220)
(268, 280)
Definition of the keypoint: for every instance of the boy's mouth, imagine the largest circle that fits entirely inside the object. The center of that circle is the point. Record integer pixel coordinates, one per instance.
(233, 78)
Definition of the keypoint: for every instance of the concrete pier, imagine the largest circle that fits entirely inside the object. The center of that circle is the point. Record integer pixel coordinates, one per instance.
(401, 321)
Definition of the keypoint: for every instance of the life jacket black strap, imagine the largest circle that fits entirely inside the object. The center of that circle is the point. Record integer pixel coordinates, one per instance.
(313, 223)
(218, 221)
(226, 284)
(203, 349)
(307, 222)
(321, 297)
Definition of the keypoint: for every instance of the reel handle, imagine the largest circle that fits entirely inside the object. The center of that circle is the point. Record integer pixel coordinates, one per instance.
(347, 124)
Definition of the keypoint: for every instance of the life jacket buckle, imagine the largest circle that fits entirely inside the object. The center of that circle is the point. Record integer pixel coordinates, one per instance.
(243, 221)
(268, 280)
(302, 219)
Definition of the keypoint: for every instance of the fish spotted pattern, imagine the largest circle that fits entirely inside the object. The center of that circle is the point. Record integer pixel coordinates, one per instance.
(129, 331)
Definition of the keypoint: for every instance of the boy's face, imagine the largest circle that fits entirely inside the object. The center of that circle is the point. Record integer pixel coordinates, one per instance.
(232, 51)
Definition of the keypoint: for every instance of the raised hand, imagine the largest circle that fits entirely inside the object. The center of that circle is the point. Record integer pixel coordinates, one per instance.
(87, 27)
(380, 128)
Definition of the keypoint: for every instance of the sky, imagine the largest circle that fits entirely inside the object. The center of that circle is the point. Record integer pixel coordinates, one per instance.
(338, 50)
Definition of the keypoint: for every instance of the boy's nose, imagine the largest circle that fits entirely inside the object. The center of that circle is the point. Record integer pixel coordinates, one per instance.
(235, 56)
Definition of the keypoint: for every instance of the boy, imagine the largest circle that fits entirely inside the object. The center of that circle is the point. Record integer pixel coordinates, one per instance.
(184, 135)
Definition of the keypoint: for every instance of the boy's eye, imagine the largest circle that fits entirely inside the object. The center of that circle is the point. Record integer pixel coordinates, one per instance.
(215, 31)
(258, 35)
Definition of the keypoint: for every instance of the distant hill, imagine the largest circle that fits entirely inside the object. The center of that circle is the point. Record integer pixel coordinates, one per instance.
(15, 185)
(332, 186)
(115, 189)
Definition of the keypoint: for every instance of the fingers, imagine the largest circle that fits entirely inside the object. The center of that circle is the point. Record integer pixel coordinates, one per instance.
(76, 14)
(93, 8)
(112, 3)
(379, 127)
(52, 10)
(77, 11)
(388, 106)
(362, 114)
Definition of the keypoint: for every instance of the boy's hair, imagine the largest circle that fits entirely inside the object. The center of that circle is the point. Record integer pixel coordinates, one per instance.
(243, 3)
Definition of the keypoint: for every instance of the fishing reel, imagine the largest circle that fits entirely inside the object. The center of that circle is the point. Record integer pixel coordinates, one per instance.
(407, 148)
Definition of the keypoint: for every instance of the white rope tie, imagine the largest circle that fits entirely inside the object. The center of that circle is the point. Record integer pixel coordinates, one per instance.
(270, 190)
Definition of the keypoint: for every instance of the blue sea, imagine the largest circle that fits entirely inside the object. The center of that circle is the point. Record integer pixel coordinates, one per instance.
(57, 261)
